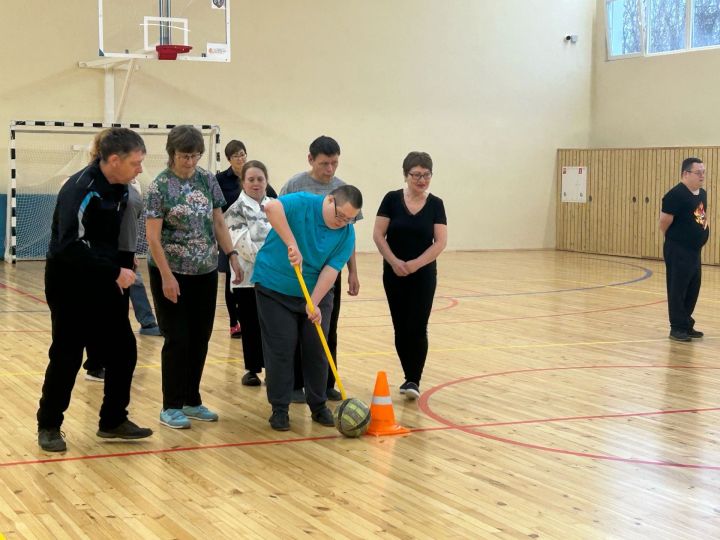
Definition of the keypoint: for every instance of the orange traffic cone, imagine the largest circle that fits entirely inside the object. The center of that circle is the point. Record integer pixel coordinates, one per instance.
(382, 416)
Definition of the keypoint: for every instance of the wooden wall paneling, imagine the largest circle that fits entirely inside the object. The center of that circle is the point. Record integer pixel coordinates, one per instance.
(573, 211)
(634, 183)
(649, 202)
(658, 188)
(611, 222)
(584, 208)
(710, 251)
(622, 208)
(631, 244)
(645, 201)
(702, 153)
(560, 217)
(593, 174)
(560, 207)
(664, 180)
(636, 200)
(608, 214)
(622, 205)
(613, 185)
(614, 197)
(559, 231)
(603, 206)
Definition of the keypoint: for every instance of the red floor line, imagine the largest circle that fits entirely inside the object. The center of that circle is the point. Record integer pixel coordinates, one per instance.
(166, 450)
(22, 293)
(330, 437)
(423, 405)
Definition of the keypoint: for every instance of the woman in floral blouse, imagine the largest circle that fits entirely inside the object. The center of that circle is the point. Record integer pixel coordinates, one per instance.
(249, 227)
(184, 225)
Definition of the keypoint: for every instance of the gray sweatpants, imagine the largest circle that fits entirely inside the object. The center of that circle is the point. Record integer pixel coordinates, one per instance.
(283, 321)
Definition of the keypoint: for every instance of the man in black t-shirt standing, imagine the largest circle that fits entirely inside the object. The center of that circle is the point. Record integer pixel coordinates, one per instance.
(684, 222)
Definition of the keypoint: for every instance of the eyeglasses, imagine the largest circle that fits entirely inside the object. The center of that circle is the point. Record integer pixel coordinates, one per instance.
(239, 155)
(340, 217)
(189, 157)
(699, 173)
(417, 176)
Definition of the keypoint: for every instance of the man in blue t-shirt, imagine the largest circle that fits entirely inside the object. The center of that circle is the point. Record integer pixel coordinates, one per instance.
(316, 233)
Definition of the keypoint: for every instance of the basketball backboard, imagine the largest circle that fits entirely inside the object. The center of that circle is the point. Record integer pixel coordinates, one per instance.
(133, 28)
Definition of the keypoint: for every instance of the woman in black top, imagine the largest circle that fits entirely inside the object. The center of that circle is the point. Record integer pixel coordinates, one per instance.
(411, 232)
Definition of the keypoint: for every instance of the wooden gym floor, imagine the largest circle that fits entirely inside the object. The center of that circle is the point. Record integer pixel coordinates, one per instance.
(554, 406)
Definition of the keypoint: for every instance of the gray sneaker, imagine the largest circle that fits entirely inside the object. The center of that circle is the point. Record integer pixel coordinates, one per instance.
(52, 440)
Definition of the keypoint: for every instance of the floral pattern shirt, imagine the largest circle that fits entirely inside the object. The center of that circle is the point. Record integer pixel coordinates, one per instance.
(249, 226)
(186, 208)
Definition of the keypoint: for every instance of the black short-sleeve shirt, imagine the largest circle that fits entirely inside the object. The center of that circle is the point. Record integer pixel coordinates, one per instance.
(409, 235)
(689, 213)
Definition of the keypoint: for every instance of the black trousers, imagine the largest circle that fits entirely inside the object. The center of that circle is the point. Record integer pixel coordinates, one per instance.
(330, 337)
(186, 327)
(251, 338)
(683, 273)
(82, 311)
(410, 299)
(284, 324)
(232, 301)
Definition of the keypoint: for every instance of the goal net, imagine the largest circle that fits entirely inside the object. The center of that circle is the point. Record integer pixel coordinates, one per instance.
(44, 154)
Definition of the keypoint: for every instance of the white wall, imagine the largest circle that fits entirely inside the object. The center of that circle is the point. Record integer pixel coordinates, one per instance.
(489, 88)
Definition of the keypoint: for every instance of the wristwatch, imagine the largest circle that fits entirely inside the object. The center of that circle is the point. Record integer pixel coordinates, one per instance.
(233, 252)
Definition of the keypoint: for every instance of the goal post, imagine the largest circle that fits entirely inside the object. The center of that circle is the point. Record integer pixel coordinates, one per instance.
(43, 154)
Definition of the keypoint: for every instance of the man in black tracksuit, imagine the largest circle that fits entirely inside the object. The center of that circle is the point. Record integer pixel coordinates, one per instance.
(684, 222)
(85, 287)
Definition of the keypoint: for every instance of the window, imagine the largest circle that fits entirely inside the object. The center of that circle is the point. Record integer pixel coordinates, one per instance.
(666, 25)
(646, 27)
(624, 30)
(706, 23)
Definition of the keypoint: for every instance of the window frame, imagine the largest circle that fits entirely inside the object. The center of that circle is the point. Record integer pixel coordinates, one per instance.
(645, 34)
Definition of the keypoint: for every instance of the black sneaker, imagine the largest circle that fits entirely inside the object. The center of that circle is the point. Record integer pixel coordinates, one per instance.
(52, 440)
(412, 390)
(695, 334)
(298, 396)
(127, 430)
(334, 395)
(404, 387)
(679, 335)
(280, 421)
(95, 375)
(250, 379)
(324, 417)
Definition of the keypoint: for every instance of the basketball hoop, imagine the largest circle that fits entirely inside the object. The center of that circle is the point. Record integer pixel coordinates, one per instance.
(170, 52)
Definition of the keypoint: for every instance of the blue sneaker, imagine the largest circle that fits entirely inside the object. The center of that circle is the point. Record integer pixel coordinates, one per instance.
(174, 418)
(201, 412)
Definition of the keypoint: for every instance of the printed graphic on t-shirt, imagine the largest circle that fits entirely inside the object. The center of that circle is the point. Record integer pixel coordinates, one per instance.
(699, 214)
